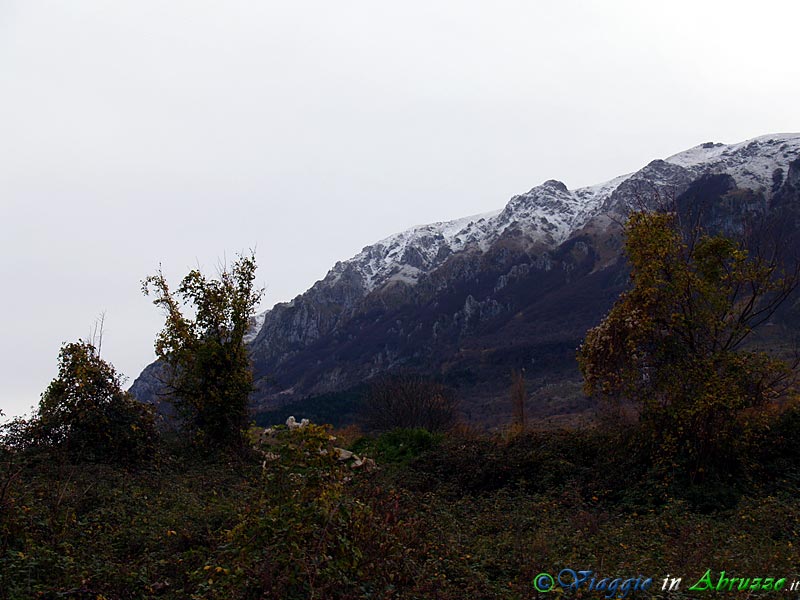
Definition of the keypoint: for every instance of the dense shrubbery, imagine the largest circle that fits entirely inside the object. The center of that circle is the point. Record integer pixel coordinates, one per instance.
(456, 516)
(86, 413)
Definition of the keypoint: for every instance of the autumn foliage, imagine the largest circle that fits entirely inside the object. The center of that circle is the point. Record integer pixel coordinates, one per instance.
(674, 344)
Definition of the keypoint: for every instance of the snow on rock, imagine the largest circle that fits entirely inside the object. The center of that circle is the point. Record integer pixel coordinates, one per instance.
(550, 212)
(547, 213)
(751, 163)
(254, 327)
(406, 255)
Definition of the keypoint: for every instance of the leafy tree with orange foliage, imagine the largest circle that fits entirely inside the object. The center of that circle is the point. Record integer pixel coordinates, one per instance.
(673, 343)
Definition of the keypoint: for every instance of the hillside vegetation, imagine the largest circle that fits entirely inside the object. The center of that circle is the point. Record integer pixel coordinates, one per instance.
(452, 517)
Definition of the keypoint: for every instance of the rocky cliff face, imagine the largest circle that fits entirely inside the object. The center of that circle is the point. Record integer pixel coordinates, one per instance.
(469, 299)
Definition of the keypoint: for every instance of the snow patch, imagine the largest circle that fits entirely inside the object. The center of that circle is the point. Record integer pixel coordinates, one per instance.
(750, 163)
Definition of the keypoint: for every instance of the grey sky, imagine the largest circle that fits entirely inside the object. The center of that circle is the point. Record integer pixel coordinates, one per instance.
(136, 132)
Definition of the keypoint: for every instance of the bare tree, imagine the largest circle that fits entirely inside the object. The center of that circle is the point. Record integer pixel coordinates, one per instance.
(96, 333)
(409, 401)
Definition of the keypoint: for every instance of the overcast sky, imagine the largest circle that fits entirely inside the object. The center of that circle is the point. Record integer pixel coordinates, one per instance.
(139, 132)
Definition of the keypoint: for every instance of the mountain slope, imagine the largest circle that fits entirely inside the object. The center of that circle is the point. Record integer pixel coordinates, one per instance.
(469, 299)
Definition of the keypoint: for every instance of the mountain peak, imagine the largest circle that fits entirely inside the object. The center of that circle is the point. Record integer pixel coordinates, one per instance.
(555, 184)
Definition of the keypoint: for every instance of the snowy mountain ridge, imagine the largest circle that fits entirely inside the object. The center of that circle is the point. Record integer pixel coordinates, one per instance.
(751, 163)
(549, 213)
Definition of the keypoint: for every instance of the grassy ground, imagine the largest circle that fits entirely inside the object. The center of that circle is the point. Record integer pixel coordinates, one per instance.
(456, 516)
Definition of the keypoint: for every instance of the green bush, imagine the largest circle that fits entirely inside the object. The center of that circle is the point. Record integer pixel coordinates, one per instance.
(399, 445)
(86, 412)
